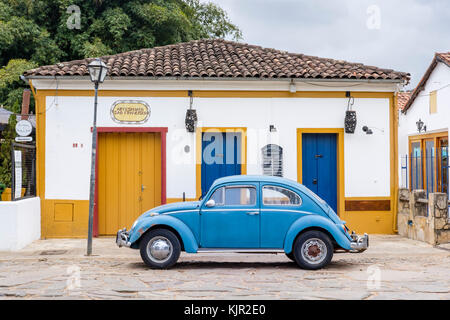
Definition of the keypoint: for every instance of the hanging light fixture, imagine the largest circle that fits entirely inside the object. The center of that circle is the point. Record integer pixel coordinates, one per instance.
(421, 126)
(191, 115)
(350, 115)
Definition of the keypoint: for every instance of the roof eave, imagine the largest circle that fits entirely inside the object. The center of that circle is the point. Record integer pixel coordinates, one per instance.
(401, 81)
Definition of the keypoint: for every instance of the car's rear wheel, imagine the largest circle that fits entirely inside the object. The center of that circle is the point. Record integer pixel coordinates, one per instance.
(160, 248)
(313, 250)
(291, 255)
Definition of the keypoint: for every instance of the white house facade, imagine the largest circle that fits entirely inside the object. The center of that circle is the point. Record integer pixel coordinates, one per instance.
(424, 122)
(258, 111)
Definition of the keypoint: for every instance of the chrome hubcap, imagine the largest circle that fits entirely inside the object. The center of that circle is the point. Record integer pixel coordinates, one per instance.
(159, 249)
(314, 250)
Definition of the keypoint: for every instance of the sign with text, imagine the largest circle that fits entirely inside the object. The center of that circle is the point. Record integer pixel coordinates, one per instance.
(24, 128)
(130, 111)
(17, 174)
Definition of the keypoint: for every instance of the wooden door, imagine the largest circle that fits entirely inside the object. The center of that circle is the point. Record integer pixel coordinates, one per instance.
(129, 178)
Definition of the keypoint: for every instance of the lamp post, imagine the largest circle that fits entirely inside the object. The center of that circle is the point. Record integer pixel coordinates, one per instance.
(97, 72)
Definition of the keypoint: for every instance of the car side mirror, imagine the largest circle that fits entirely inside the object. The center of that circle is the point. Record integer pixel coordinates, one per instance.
(210, 203)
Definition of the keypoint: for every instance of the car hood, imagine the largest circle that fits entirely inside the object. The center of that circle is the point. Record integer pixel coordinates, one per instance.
(177, 206)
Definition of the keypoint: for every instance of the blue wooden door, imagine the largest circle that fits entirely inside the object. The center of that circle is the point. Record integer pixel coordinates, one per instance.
(221, 156)
(319, 164)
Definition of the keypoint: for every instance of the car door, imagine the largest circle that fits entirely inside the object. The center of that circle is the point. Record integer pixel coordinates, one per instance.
(234, 220)
(280, 207)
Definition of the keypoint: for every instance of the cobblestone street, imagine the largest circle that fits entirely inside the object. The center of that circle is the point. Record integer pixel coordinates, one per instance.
(58, 269)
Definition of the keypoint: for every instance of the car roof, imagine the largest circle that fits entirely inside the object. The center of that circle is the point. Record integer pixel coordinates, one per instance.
(261, 178)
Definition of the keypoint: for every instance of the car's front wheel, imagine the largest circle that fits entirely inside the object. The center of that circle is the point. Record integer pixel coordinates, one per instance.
(160, 248)
(313, 250)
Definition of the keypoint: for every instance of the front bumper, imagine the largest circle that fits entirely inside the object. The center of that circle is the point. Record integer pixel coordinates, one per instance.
(359, 243)
(122, 238)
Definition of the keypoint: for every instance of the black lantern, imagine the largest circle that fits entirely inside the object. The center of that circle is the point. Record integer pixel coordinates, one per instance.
(191, 120)
(191, 116)
(350, 116)
(420, 126)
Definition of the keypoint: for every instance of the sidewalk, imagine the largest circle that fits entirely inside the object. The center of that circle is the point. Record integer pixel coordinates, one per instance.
(392, 268)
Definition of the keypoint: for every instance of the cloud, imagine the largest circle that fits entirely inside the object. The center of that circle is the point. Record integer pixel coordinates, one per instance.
(409, 33)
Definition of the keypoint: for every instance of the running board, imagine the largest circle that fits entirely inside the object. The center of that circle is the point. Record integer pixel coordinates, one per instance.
(239, 250)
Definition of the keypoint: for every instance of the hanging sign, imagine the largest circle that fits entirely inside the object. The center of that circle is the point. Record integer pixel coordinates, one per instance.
(130, 111)
(17, 174)
(24, 139)
(24, 128)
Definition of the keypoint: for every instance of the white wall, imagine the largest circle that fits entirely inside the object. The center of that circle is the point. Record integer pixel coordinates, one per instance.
(440, 121)
(69, 119)
(20, 223)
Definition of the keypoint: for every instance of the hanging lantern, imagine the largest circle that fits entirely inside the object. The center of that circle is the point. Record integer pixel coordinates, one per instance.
(191, 120)
(350, 116)
(350, 121)
(191, 115)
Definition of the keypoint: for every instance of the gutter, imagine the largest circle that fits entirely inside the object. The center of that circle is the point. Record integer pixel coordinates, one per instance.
(401, 81)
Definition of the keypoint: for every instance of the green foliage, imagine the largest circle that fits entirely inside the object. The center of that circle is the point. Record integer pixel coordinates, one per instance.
(11, 87)
(36, 32)
(5, 152)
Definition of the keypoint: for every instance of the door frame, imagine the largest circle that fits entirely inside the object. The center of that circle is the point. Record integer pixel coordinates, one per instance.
(339, 158)
(163, 133)
(198, 154)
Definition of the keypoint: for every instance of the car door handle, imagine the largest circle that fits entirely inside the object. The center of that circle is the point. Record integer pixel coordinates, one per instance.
(253, 213)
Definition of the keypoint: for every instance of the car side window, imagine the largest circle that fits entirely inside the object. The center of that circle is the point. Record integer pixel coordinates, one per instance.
(235, 196)
(240, 196)
(219, 196)
(278, 196)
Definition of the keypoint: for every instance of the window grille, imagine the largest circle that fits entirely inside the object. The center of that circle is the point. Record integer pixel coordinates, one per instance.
(272, 160)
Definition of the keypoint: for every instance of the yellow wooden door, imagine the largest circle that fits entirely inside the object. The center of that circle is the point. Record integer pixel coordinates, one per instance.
(129, 178)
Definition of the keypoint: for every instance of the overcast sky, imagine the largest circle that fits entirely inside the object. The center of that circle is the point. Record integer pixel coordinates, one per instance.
(397, 34)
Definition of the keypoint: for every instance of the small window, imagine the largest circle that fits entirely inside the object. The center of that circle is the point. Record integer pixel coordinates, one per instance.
(272, 156)
(280, 196)
(433, 101)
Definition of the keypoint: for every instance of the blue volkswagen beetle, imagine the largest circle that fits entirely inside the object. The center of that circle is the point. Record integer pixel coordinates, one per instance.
(244, 214)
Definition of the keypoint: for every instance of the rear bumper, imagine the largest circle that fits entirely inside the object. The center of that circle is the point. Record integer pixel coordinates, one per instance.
(122, 238)
(359, 243)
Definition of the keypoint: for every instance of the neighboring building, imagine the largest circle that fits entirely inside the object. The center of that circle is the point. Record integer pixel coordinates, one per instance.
(423, 130)
(259, 111)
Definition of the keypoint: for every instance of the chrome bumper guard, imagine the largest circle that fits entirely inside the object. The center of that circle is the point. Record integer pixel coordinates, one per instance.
(122, 238)
(359, 243)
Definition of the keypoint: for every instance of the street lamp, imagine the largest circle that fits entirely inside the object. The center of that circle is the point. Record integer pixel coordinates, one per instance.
(97, 71)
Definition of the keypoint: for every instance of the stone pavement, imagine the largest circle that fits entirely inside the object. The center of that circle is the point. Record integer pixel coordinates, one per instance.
(392, 268)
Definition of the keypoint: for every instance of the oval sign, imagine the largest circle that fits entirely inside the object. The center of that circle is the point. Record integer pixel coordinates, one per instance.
(24, 128)
(130, 111)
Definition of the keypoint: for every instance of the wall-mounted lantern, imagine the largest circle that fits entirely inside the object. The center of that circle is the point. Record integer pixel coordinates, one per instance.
(421, 126)
(350, 115)
(191, 115)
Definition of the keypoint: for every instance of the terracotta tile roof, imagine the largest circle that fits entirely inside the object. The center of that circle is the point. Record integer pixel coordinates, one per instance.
(443, 57)
(221, 58)
(403, 98)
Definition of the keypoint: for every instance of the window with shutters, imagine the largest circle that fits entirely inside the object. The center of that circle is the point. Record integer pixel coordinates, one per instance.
(272, 156)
